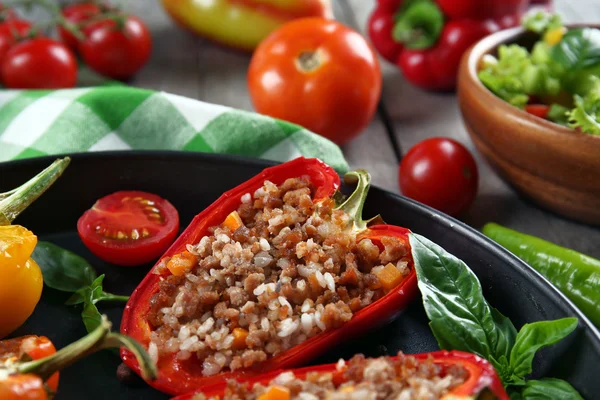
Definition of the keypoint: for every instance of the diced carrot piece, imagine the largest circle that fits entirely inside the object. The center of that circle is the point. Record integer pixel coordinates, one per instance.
(276, 392)
(239, 338)
(233, 221)
(389, 276)
(181, 263)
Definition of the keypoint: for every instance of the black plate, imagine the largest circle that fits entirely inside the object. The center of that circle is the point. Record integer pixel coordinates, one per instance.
(191, 182)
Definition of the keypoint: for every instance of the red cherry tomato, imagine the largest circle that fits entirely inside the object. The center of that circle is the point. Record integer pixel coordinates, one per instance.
(8, 30)
(539, 110)
(318, 74)
(440, 173)
(129, 227)
(77, 14)
(116, 51)
(39, 63)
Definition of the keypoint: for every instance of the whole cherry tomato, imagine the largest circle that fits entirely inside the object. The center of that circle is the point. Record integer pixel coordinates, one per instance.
(129, 227)
(77, 14)
(9, 31)
(318, 74)
(440, 173)
(117, 49)
(39, 63)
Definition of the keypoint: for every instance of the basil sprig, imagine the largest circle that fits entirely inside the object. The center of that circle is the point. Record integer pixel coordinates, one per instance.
(68, 272)
(461, 319)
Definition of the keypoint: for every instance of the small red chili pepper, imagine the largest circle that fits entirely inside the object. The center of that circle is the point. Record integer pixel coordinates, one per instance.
(29, 365)
(177, 377)
(426, 38)
(539, 110)
(481, 376)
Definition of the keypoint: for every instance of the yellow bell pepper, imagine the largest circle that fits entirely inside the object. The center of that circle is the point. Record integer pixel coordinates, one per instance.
(241, 24)
(20, 277)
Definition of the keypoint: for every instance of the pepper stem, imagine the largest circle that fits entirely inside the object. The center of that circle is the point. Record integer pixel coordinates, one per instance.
(100, 338)
(419, 25)
(353, 206)
(14, 202)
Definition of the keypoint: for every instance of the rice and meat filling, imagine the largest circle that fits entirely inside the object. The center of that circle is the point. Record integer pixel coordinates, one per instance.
(279, 270)
(403, 378)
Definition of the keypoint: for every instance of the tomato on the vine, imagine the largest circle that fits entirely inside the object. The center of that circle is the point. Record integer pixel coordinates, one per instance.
(318, 74)
(77, 14)
(117, 49)
(440, 173)
(9, 34)
(129, 227)
(39, 63)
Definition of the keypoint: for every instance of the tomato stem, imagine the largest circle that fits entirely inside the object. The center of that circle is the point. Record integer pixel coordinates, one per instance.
(98, 339)
(14, 202)
(114, 297)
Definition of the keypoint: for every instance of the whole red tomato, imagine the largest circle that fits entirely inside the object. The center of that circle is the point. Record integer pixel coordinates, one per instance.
(318, 74)
(77, 14)
(440, 173)
(117, 49)
(9, 31)
(39, 63)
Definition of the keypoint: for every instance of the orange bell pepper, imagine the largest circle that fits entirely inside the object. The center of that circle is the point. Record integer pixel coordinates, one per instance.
(241, 24)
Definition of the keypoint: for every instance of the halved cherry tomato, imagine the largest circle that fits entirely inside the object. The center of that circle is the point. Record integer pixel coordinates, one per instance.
(539, 110)
(441, 173)
(129, 227)
(77, 14)
(319, 74)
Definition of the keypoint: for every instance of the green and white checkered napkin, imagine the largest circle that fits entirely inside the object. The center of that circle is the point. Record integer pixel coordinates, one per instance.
(37, 123)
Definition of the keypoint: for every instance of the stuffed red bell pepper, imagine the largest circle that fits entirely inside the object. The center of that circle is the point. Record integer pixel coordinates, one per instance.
(439, 375)
(426, 38)
(272, 274)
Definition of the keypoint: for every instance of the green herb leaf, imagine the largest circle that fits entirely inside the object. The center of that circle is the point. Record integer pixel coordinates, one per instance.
(578, 49)
(533, 337)
(62, 269)
(460, 317)
(91, 316)
(558, 114)
(78, 297)
(541, 21)
(549, 388)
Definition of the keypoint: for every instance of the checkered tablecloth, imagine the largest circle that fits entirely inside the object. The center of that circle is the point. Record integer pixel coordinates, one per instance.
(36, 123)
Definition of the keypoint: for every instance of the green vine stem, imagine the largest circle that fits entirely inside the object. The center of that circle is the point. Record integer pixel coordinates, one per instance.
(353, 205)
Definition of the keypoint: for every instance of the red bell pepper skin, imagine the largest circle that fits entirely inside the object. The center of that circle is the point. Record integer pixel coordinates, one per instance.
(481, 376)
(178, 377)
(465, 22)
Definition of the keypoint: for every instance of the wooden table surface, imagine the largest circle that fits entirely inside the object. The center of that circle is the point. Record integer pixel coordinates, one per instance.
(186, 65)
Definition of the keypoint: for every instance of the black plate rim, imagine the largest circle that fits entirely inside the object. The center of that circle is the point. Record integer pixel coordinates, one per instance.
(532, 276)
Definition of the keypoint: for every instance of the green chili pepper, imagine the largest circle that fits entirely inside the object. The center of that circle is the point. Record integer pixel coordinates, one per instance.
(575, 274)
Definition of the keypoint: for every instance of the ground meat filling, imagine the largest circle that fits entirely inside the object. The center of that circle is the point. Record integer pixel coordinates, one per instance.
(404, 378)
(291, 269)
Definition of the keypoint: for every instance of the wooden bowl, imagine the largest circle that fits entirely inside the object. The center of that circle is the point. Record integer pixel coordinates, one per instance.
(556, 167)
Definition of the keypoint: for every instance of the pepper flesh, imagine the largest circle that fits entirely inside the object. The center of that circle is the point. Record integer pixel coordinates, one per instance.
(242, 24)
(177, 377)
(575, 274)
(465, 22)
(481, 376)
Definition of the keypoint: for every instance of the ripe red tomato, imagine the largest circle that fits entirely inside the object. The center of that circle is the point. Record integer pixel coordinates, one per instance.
(77, 14)
(539, 110)
(115, 50)
(129, 227)
(39, 63)
(440, 173)
(8, 30)
(318, 74)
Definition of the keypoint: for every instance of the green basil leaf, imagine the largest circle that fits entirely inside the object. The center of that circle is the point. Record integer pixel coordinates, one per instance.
(533, 337)
(62, 269)
(578, 49)
(78, 297)
(96, 289)
(91, 316)
(549, 388)
(460, 317)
